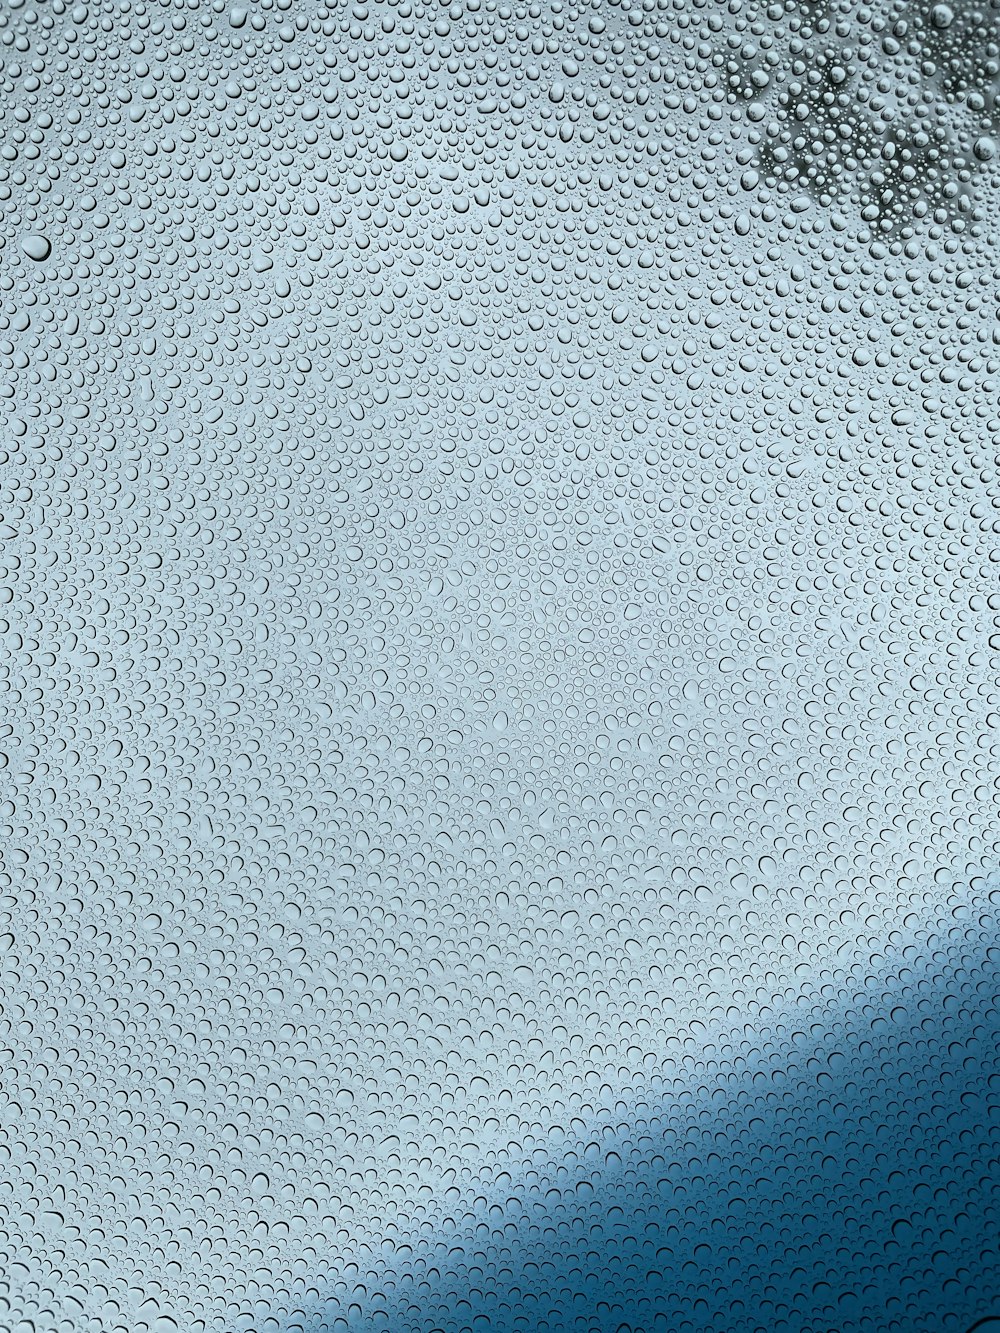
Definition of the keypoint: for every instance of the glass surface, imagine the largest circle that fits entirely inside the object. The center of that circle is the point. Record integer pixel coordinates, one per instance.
(499, 577)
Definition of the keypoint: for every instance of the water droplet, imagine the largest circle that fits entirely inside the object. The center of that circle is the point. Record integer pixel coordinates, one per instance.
(36, 247)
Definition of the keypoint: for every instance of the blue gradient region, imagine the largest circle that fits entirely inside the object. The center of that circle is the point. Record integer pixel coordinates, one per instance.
(839, 1171)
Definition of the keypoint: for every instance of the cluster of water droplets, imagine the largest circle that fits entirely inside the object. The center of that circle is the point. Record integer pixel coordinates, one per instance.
(498, 553)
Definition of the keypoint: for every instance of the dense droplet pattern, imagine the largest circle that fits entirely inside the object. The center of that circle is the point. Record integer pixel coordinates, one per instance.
(498, 598)
(799, 1176)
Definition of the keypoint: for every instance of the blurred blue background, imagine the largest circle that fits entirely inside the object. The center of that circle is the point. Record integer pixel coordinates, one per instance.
(837, 1175)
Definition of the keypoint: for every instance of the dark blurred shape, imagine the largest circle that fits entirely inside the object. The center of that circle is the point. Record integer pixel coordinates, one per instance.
(830, 1173)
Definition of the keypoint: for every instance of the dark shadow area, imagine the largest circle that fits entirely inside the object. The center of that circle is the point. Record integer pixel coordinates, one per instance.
(836, 1172)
